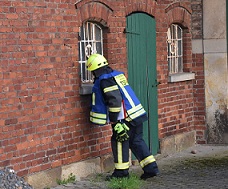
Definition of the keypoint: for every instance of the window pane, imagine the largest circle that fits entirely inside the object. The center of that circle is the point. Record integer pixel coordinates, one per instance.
(89, 32)
(82, 50)
(81, 33)
(99, 48)
(169, 54)
(170, 64)
(83, 71)
(98, 33)
(174, 31)
(179, 32)
(180, 68)
(179, 48)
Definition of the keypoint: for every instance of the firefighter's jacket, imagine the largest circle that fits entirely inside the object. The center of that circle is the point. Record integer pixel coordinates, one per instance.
(130, 109)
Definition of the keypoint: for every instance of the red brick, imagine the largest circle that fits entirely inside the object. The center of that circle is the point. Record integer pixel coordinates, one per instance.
(11, 121)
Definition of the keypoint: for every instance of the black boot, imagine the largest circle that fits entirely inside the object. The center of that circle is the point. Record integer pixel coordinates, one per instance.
(150, 174)
(145, 176)
(118, 174)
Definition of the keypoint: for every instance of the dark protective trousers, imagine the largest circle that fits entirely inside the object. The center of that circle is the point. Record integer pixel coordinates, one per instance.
(139, 148)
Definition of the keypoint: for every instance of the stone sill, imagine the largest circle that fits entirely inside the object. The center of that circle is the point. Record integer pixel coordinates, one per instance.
(181, 77)
(85, 89)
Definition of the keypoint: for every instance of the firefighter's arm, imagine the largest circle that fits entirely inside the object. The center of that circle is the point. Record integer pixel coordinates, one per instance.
(112, 98)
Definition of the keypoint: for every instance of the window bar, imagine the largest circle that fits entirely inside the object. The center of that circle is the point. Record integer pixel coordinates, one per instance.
(87, 50)
(84, 42)
(86, 45)
(80, 51)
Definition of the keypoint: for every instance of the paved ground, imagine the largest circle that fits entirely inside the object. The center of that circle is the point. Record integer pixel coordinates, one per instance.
(199, 167)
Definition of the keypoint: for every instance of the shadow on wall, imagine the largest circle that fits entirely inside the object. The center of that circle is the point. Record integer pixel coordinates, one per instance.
(218, 132)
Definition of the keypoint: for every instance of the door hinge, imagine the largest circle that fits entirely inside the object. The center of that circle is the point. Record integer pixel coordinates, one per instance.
(130, 32)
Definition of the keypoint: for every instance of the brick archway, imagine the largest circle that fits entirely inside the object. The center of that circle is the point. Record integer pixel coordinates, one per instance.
(179, 13)
(98, 11)
(147, 6)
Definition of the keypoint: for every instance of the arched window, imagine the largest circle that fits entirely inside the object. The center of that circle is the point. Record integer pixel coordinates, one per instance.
(175, 49)
(90, 42)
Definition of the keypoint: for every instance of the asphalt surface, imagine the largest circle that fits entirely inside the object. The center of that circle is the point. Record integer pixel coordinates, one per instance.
(198, 167)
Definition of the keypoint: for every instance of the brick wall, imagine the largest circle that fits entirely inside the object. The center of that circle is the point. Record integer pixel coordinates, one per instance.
(198, 69)
(44, 121)
(175, 100)
(197, 19)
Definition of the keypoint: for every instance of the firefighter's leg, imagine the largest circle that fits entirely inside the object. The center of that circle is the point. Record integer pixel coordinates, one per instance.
(121, 157)
(142, 152)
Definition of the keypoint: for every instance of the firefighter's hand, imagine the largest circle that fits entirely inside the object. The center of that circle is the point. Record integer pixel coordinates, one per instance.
(121, 132)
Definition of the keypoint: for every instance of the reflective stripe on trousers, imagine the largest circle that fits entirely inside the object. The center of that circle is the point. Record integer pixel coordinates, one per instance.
(121, 155)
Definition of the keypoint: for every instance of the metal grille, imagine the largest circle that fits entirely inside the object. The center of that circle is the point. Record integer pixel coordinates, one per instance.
(175, 49)
(90, 42)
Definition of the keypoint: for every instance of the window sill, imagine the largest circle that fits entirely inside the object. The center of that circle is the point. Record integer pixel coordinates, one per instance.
(85, 89)
(181, 77)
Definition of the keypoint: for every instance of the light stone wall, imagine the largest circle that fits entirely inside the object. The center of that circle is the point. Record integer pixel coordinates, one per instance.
(214, 47)
(82, 169)
(177, 143)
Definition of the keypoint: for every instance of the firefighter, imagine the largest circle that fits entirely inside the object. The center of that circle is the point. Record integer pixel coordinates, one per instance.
(114, 102)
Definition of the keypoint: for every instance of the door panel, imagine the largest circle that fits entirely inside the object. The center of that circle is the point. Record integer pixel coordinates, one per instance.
(141, 46)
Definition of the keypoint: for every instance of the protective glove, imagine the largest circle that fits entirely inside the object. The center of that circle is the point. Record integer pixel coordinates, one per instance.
(121, 132)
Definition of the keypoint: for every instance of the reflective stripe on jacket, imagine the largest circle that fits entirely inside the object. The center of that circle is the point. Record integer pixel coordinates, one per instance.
(132, 105)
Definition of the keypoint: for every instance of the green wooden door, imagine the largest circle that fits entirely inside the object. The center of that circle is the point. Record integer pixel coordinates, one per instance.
(141, 47)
